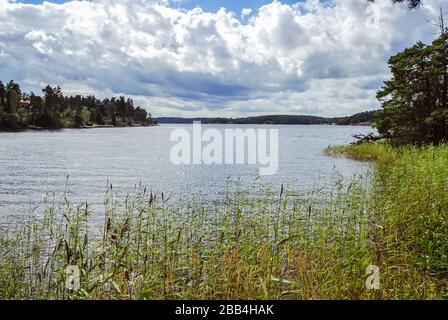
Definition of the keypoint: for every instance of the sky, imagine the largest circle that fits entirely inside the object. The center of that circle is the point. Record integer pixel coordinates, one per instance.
(213, 58)
(206, 5)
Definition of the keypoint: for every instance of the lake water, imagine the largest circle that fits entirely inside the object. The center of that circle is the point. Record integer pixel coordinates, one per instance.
(35, 163)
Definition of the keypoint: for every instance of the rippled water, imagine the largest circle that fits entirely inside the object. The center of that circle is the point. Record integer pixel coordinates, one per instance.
(35, 163)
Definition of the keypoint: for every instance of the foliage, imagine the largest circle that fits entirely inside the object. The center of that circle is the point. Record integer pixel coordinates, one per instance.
(412, 4)
(380, 152)
(53, 110)
(414, 101)
(410, 201)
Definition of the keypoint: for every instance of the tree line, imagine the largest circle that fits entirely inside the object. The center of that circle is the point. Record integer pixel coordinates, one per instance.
(360, 118)
(53, 110)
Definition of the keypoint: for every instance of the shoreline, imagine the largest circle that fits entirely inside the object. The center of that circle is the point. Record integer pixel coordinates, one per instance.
(33, 128)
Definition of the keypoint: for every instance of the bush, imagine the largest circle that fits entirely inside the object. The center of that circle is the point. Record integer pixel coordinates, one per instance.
(12, 121)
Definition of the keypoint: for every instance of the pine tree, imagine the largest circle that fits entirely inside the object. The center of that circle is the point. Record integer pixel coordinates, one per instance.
(414, 101)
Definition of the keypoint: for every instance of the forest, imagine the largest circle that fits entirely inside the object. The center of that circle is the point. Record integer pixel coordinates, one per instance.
(53, 110)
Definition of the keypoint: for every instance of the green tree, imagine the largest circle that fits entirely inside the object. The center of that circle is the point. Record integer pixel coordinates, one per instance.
(111, 111)
(52, 114)
(2, 105)
(2, 96)
(414, 101)
(13, 94)
(36, 107)
(12, 121)
(412, 4)
(141, 115)
(82, 117)
(121, 108)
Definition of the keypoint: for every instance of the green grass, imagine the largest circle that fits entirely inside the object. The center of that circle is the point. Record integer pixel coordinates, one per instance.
(379, 152)
(258, 243)
(409, 200)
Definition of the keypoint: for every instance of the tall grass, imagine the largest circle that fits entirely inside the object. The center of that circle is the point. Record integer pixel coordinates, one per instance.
(409, 209)
(258, 243)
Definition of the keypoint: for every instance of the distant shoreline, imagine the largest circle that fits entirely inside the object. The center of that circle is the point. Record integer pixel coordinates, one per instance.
(34, 128)
(359, 119)
(363, 124)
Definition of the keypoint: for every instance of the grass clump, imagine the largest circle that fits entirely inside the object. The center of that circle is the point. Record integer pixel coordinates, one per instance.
(379, 151)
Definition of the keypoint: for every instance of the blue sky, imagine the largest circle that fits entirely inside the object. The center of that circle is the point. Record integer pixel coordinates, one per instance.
(315, 59)
(206, 5)
(231, 5)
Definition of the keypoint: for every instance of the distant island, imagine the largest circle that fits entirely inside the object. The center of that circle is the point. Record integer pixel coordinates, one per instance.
(364, 118)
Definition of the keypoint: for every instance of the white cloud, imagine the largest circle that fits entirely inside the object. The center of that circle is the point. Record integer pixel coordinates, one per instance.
(245, 12)
(312, 57)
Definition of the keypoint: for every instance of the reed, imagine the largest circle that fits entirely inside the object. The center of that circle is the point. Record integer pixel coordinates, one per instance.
(252, 243)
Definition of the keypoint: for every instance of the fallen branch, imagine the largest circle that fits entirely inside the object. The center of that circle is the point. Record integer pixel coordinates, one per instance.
(362, 138)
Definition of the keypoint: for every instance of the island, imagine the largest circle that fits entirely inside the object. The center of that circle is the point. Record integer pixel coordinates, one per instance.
(53, 110)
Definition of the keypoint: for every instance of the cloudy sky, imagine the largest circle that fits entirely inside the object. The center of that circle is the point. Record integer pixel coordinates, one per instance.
(210, 57)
